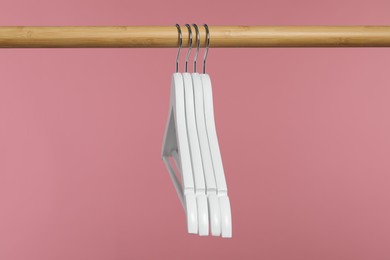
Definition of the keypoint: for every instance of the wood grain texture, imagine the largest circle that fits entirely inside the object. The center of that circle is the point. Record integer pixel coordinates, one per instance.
(167, 36)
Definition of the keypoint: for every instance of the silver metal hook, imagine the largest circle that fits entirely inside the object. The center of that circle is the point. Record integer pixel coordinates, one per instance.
(197, 45)
(207, 47)
(189, 45)
(180, 45)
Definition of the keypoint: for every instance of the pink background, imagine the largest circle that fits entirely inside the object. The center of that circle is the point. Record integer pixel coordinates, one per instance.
(304, 135)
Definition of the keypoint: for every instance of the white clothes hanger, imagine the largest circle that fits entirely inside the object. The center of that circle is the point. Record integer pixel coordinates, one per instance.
(224, 202)
(175, 145)
(196, 159)
(190, 140)
(211, 188)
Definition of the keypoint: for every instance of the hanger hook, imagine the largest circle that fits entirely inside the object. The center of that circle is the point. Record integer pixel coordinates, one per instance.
(197, 45)
(180, 45)
(189, 45)
(207, 47)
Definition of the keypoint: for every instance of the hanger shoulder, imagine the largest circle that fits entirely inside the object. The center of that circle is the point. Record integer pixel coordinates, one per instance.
(213, 138)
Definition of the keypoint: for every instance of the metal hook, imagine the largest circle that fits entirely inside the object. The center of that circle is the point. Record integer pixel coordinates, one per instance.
(197, 45)
(207, 47)
(180, 45)
(189, 45)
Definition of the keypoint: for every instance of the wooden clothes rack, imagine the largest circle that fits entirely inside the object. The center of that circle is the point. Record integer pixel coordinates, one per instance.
(167, 36)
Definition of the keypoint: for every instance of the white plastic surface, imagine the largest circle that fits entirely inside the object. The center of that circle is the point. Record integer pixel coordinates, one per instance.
(203, 215)
(215, 215)
(226, 216)
(196, 159)
(176, 141)
(202, 133)
(191, 212)
(212, 134)
(224, 202)
(191, 140)
(211, 187)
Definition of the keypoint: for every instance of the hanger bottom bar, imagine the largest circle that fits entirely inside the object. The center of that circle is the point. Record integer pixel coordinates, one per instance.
(167, 36)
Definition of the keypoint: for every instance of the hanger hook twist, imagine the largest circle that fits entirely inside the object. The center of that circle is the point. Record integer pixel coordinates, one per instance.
(189, 45)
(197, 45)
(207, 47)
(180, 46)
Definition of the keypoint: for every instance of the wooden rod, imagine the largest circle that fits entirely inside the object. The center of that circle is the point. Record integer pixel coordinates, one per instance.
(167, 36)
